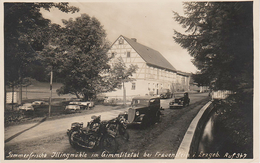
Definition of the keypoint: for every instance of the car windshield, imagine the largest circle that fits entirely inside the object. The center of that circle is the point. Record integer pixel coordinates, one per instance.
(140, 102)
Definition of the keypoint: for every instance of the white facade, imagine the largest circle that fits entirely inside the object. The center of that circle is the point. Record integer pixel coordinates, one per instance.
(149, 79)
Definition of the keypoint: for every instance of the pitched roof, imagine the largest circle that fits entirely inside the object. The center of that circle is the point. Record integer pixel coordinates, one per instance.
(183, 73)
(149, 55)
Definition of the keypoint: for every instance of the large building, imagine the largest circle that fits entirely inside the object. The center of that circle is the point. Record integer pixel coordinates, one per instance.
(183, 82)
(154, 71)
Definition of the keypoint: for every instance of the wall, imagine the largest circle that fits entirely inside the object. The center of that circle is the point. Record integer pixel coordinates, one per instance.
(149, 79)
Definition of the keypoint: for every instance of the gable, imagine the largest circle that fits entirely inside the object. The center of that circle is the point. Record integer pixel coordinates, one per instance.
(149, 55)
(121, 48)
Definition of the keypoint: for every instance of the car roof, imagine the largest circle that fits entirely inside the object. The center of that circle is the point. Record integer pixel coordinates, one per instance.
(27, 104)
(144, 97)
(72, 105)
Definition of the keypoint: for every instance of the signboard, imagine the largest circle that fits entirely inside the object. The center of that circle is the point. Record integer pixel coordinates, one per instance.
(9, 97)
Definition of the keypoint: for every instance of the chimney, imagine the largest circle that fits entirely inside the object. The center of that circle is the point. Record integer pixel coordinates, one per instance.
(134, 39)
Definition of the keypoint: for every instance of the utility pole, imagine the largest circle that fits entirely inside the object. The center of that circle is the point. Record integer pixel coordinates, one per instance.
(13, 96)
(50, 93)
(20, 99)
(124, 93)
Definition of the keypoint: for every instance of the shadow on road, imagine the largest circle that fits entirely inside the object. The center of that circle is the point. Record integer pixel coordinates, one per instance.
(19, 133)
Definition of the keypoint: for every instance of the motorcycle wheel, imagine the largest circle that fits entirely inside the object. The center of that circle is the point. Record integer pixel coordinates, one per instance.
(72, 136)
(125, 135)
(109, 144)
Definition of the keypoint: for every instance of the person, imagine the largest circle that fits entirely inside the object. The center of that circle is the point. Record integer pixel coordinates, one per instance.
(186, 99)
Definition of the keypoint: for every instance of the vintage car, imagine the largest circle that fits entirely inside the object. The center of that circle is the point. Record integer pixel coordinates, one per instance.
(83, 105)
(179, 102)
(72, 108)
(145, 110)
(26, 107)
(38, 103)
(166, 93)
(110, 100)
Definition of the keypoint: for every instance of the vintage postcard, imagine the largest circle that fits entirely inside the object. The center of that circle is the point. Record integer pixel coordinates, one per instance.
(160, 81)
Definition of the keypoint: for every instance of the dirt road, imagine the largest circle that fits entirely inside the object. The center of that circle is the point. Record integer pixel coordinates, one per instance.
(158, 141)
(19, 133)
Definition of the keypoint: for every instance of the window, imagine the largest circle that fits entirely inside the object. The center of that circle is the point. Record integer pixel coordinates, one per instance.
(113, 54)
(133, 86)
(128, 54)
(121, 41)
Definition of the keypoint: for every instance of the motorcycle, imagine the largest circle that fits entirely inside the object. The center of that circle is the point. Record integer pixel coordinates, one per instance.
(119, 126)
(95, 135)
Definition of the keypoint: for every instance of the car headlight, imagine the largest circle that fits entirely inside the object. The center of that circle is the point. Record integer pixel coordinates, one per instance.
(137, 113)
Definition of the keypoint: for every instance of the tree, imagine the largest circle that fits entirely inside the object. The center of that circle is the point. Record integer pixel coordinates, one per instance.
(25, 32)
(120, 74)
(78, 54)
(220, 38)
(201, 79)
(27, 82)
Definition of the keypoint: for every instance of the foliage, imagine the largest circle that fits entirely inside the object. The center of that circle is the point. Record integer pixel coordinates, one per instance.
(220, 38)
(120, 73)
(25, 31)
(27, 81)
(77, 53)
(201, 78)
(233, 127)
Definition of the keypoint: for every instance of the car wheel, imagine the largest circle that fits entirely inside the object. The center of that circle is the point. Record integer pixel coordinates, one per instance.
(145, 122)
(158, 117)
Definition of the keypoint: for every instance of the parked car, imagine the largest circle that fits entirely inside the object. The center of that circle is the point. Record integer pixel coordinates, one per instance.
(83, 105)
(110, 100)
(72, 108)
(38, 103)
(145, 110)
(91, 104)
(180, 101)
(26, 107)
(166, 93)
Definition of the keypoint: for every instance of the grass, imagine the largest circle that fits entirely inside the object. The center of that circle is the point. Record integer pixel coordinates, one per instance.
(41, 91)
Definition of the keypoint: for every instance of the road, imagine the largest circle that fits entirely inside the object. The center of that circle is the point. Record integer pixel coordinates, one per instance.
(49, 137)
(15, 134)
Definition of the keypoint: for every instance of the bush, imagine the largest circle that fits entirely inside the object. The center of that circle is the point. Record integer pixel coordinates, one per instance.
(13, 116)
(234, 125)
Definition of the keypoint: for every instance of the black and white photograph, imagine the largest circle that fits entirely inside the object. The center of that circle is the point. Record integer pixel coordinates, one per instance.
(160, 81)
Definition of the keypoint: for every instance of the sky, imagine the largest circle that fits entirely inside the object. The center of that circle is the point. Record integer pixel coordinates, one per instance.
(151, 23)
